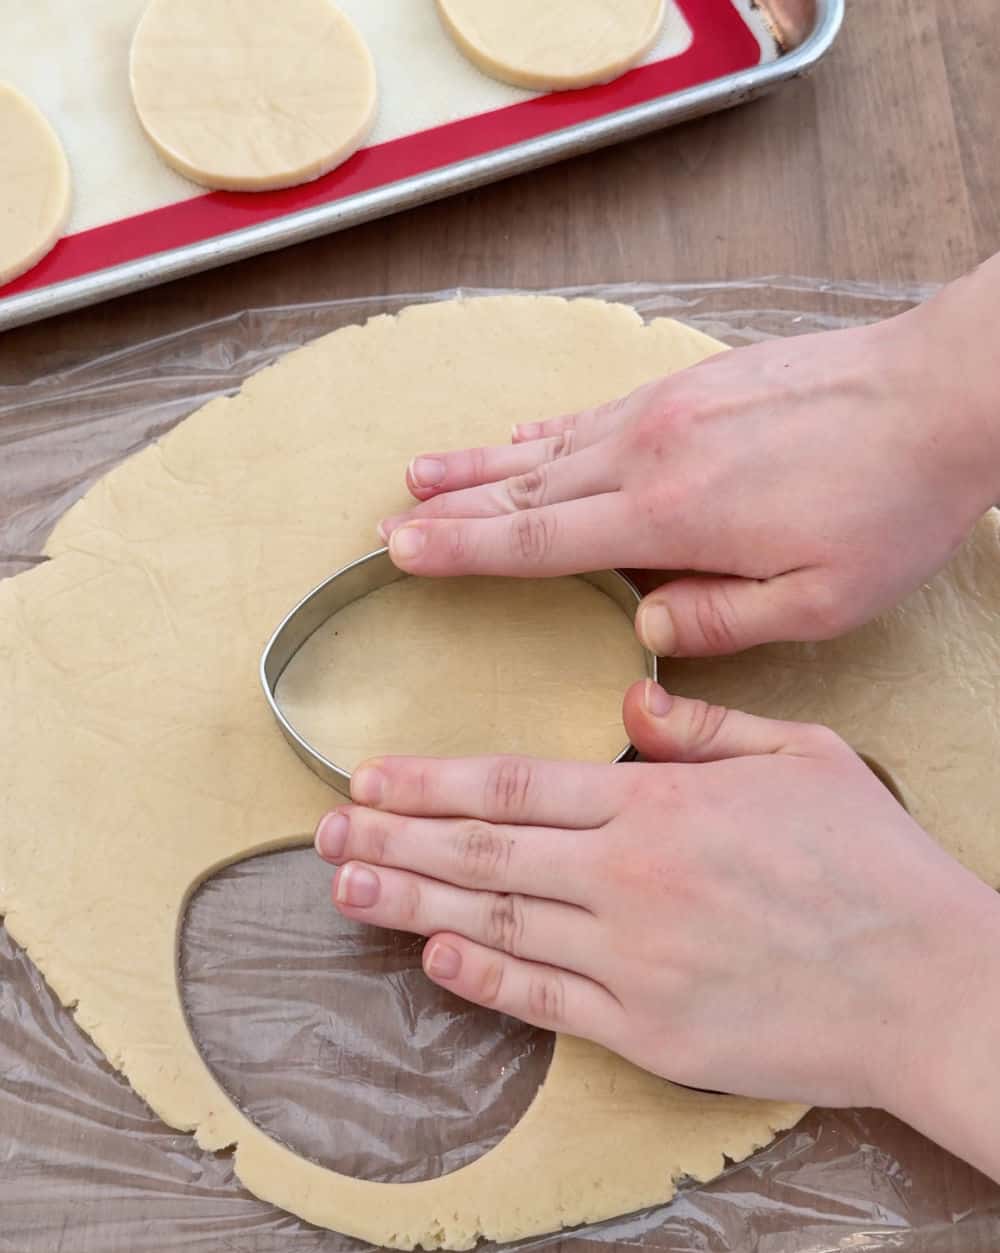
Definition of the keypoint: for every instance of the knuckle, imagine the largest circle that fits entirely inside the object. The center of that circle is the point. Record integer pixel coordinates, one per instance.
(410, 906)
(374, 844)
(662, 413)
(505, 924)
(483, 853)
(509, 784)
(705, 723)
(547, 999)
(823, 611)
(715, 619)
(617, 407)
(527, 491)
(532, 537)
(457, 544)
(648, 432)
(411, 783)
(560, 445)
(823, 740)
(490, 983)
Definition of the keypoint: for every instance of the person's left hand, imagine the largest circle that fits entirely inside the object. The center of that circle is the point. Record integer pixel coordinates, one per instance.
(753, 916)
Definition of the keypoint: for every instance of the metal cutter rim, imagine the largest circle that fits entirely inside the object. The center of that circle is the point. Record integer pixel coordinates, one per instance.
(351, 583)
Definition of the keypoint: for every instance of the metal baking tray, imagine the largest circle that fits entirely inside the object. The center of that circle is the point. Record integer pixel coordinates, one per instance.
(803, 31)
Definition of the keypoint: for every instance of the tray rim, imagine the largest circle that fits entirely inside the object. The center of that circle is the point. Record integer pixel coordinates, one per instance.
(412, 191)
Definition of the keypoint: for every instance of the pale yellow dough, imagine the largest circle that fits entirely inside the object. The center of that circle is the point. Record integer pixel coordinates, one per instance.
(34, 185)
(555, 45)
(252, 94)
(467, 666)
(139, 755)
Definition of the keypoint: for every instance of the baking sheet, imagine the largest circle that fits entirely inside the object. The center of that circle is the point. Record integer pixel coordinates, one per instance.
(442, 126)
(325, 1033)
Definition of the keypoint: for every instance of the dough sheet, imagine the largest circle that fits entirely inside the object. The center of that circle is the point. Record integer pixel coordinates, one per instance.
(140, 755)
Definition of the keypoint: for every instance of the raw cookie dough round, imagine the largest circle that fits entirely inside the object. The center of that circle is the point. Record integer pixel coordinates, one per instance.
(255, 94)
(555, 45)
(34, 185)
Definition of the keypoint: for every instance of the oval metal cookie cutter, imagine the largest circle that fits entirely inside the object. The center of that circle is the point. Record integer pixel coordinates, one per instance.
(353, 582)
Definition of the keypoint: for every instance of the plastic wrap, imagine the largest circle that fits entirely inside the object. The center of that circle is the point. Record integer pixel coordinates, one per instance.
(382, 1077)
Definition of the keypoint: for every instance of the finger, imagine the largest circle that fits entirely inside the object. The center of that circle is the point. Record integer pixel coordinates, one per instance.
(523, 926)
(589, 473)
(470, 853)
(664, 727)
(588, 426)
(432, 473)
(543, 995)
(566, 538)
(520, 790)
(708, 617)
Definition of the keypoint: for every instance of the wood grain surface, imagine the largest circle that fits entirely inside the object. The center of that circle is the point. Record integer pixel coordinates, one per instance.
(882, 165)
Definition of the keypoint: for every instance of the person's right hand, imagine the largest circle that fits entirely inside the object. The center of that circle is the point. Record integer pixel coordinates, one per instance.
(810, 483)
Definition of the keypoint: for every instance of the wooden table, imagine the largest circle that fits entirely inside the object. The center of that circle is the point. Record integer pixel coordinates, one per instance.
(881, 166)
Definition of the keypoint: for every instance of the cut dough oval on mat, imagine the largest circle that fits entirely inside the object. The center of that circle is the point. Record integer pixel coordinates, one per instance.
(34, 185)
(557, 45)
(252, 95)
(139, 754)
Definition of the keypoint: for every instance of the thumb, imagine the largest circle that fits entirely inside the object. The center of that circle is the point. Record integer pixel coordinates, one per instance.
(708, 617)
(672, 728)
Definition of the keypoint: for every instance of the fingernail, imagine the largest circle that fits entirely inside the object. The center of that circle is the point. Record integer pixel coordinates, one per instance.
(331, 836)
(427, 471)
(655, 628)
(656, 700)
(525, 431)
(388, 525)
(368, 786)
(443, 961)
(406, 543)
(357, 886)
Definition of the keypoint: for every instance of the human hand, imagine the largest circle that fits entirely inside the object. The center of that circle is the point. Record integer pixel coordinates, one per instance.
(754, 914)
(811, 483)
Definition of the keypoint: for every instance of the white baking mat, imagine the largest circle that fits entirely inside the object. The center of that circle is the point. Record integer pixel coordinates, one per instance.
(71, 58)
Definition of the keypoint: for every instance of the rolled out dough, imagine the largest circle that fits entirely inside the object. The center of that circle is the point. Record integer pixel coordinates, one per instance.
(556, 45)
(34, 185)
(139, 755)
(252, 95)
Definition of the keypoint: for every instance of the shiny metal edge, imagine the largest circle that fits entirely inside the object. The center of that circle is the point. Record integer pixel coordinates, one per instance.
(351, 583)
(721, 93)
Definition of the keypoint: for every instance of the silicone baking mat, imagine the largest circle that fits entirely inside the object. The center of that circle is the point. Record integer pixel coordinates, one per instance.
(435, 109)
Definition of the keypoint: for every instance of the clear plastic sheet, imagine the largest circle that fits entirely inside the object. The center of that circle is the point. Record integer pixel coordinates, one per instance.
(327, 1034)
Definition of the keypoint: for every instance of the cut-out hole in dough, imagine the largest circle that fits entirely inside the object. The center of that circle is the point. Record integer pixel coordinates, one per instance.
(328, 1035)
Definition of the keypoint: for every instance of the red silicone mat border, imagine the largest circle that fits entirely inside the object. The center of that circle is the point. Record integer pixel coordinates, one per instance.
(721, 44)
